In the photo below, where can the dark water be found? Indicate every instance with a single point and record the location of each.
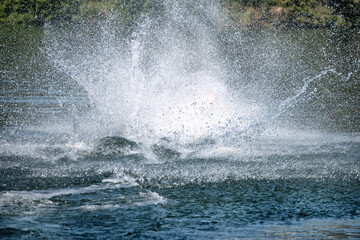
(197, 135)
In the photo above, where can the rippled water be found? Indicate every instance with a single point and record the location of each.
(183, 129)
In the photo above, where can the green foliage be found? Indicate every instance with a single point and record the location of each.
(42, 11)
(295, 13)
(308, 13)
(37, 11)
(131, 10)
(291, 13)
(347, 11)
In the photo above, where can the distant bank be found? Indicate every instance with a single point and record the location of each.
(238, 13)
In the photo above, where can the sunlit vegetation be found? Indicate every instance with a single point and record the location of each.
(298, 13)
(242, 13)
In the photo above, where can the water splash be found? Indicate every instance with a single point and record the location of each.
(167, 79)
(173, 78)
(285, 105)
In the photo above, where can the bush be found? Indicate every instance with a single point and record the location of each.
(291, 13)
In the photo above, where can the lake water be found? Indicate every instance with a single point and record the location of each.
(183, 128)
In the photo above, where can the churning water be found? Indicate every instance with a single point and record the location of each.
(179, 127)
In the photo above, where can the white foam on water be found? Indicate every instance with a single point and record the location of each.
(98, 207)
(151, 198)
(47, 194)
(46, 150)
(19, 201)
(142, 199)
(124, 181)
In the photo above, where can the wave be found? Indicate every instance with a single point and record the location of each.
(119, 193)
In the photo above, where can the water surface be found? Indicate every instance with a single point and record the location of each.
(184, 129)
